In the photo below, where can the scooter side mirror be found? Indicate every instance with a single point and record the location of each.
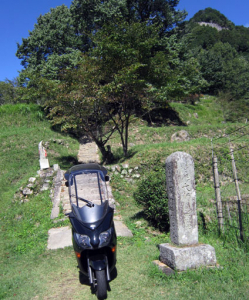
(107, 178)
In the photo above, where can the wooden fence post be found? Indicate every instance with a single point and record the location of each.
(238, 194)
(217, 194)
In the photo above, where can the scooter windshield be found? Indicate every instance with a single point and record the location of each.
(87, 187)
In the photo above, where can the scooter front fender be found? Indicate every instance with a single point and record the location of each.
(98, 265)
(101, 263)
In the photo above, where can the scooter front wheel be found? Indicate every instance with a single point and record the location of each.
(101, 291)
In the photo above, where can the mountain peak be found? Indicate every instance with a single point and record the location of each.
(212, 17)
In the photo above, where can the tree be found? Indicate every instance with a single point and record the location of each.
(38, 89)
(53, 37)
(225, 70)
(8, 91)
(63, 30)
(108, 87)
(90, 16)
(203, 37)
(78, 106)
(130, 71)
(130, 54)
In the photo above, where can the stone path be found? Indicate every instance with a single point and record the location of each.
(88, 152)
(61, 237)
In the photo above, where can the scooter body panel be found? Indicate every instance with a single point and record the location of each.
(93, 232)
(85, 254)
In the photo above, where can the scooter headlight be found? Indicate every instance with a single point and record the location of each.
(105, 237)
(83, 241)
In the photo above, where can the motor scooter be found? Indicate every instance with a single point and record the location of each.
(93, 232)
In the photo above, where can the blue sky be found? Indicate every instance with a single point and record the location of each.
(17, 18)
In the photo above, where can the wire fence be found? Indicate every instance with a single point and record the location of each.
(230, 154)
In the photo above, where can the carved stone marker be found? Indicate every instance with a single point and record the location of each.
(180, 180)
(183, 218)
(44, 164)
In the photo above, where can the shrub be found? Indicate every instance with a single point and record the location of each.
(151, 194)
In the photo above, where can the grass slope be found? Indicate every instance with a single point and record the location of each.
(24, 224)
(32, 272)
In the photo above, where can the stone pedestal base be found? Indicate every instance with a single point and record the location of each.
(44, 164)
(188, 257)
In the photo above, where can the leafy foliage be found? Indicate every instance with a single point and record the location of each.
(100, 63)
(225, 70)
(128, 72)
(61, 34)
(8, 91)
(151, 194)
(53, 36)
(90, 16)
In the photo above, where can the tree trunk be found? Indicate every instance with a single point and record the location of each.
(125, 148)
(100, 145)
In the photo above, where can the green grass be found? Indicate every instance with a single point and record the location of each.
(25, 222)
(53, 274)
(29, 271)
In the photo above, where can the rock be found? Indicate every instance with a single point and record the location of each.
(41, 173)
(32, 179)
(136, 176)
(56, 167)
(45, 187)
(180, 136)
(129, 180)
(138, 223)
(49, 173)
(125, 166)
(27, 191)
(196, 115)
(124, 172)
(113, 168)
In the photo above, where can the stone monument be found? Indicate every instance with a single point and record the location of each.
(184, 252)
(44, 164)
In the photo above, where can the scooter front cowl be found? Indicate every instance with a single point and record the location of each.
(95, 241)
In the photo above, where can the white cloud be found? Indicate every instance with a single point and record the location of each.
(247, 25)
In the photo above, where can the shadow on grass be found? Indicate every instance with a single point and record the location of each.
(67, 162)
(139, 215)
(163, 116)
(119, 155)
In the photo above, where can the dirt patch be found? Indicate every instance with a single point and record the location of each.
(66, 285)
